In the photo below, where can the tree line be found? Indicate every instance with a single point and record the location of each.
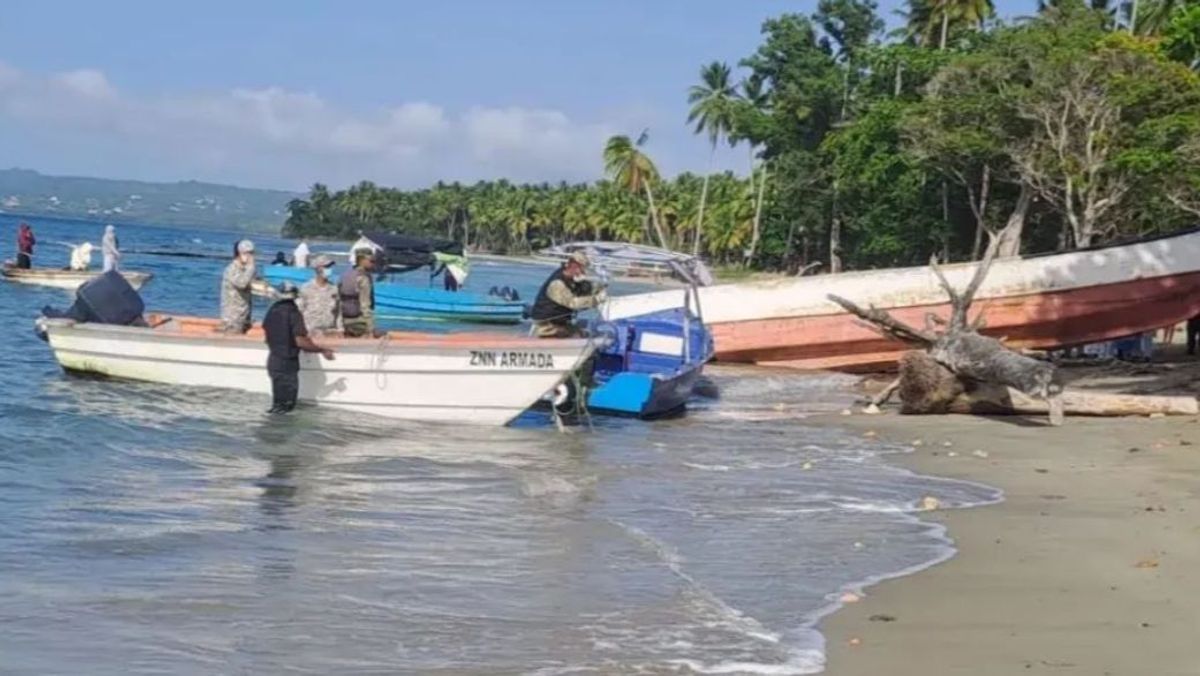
(1076, 125)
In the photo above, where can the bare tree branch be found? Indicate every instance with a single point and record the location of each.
(1182, 205)
(887, 324)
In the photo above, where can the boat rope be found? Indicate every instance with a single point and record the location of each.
(579, 408)
(379, 358)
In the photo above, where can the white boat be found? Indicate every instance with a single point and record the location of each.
(476, 378)
(1038, 302)
(65, 279)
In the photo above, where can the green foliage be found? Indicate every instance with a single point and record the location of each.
(1181, 36)
(887, 152)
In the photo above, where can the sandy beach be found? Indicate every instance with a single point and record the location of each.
(1090, 565)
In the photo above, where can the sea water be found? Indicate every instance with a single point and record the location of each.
(147, 529)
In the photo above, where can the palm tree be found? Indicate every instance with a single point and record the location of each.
(757, 98)
(713, 115)
(1155, 18)
(634, 171)
(924, 17)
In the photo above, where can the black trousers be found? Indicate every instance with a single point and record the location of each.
(1193, 334)
(285, 383)
(23, 261)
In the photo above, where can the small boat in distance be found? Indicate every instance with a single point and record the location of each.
(65, 279)
(1041, 302)
(475, 378)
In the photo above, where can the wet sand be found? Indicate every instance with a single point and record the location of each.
(1091, 565)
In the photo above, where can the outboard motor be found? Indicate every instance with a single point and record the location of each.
(107, 299)
(507, 293)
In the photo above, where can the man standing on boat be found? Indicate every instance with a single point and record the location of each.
(287, 337)
(109, 247)
(563, 295)
(235, 289)
(25, 242)
(356, 291)
(318, 300)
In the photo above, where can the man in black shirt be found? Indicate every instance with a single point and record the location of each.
(286, 337)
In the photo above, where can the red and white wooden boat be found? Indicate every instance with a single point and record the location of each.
(1043, 302)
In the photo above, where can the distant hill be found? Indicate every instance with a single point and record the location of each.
(186, 203)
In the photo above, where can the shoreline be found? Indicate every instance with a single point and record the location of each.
(1084, 567)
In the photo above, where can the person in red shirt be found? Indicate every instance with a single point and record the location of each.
(25, 242)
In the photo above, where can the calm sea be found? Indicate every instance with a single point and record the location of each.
(152, 530)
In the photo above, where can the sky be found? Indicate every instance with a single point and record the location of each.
(273, 94)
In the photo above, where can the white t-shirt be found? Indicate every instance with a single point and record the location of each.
(300, 256)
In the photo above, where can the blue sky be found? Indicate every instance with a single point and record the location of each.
(282, 94)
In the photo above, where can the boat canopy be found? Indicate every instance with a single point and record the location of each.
(401, 253)
(635, 260)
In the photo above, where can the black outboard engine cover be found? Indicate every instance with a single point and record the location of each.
(107, 299)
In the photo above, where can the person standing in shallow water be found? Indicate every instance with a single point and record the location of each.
(235, 289)
(286, 337)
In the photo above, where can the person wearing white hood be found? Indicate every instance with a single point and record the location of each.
(300, 255)
(111, 249)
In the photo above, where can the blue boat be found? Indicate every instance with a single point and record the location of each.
(650, 363)
(399, 301)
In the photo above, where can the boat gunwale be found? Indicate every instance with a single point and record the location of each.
(407, 339)
(12, 272)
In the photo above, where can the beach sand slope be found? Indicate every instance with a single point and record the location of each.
(1090, 566)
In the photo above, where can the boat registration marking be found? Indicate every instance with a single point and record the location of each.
(512, 360)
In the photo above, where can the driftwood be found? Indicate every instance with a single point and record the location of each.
(926, 386)
(956, 346)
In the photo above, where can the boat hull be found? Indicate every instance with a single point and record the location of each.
(645, 395)
(463, 378)
(1044, 302)
(66, 279)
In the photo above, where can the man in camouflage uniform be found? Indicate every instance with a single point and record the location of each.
(562, 296)
(235, 289)
(356, 291)
(318, 300)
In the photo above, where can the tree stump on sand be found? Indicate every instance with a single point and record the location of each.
(926, 386)
(956, 357)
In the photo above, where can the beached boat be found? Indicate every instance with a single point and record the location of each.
(408, 302)
(65, 279)
(650, 363)
(1042, 302)
(465, 378)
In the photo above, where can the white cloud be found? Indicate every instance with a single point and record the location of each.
(523, 139)
(86, 83)
(273, 136)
